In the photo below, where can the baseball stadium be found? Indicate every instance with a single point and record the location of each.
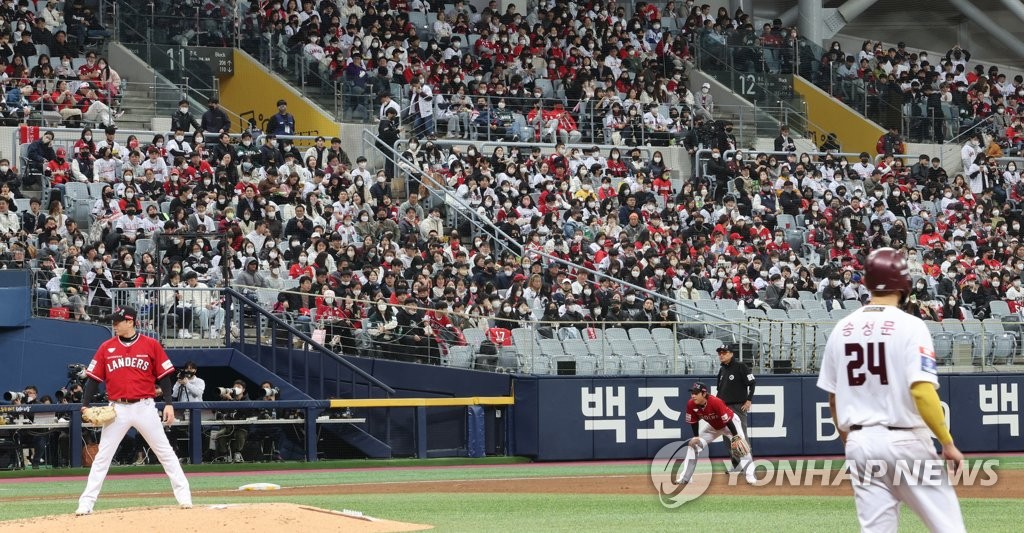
(511, 265)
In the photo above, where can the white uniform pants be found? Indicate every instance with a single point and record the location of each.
(878, 500)
(708, 434)
(146, 420)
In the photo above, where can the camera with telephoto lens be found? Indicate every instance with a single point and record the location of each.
(76, 372)
(13, 396)
(228, 392)
(272, 391)
(186, 374)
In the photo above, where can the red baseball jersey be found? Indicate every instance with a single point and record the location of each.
(714, 412)
(130, 369)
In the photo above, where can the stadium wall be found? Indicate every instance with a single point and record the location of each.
(580, 418)
(39, 353)
(253, 91)
(855, 133)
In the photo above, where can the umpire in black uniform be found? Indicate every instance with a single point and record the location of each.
(735, 387)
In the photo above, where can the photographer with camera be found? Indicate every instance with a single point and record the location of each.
(27, 396)
(272, 438)
(267, 393)
(188, 387)
(229, 440)
(32, 452)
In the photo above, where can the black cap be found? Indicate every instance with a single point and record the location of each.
(698, 387)
(723, 348)
(124, 313)
(281, 102)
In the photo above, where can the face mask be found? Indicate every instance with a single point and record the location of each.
(238, 391)
(636, 273)
(183, 109)
(74, 269)
(995, 283)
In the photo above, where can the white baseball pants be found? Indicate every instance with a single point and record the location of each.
(708, 435)
(146, 420)
(878, 498)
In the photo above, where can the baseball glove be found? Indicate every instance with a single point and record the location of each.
(739, 447)
(99, 415)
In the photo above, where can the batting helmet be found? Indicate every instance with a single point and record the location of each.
(886, 270)
(698, 388)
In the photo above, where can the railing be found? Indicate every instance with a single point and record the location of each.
(485, 226)
(764, 82)
(188, 433)
(546, 335)
(257, 326)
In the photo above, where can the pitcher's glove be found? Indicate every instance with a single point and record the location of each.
(739, 447)
(100, 416)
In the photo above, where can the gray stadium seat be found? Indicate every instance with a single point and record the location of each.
(623, 348)
(711, 345)
(474, 337)
(508, 359)
(952, 325)
(586, 365)
(647, 347)
(613, 334)
(638, 334)
(703, 365)
(631, 365)
(999, 308)
(460, 357)
(656, 365)
(551, 347)
(576, 348)
(691, 348)
(607, 365)
(538, 364)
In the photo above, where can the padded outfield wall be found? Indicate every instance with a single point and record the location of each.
(579, 418)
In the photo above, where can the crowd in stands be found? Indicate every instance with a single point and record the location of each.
(924, 97)
(45, 72)
(259, 212)
(467, 72)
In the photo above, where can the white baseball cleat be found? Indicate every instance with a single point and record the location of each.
(185, 506)
(681, 481)
(82, 512)
(751, 479)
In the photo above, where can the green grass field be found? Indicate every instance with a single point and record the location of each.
(497, 512)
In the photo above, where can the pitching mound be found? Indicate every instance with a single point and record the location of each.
(205, 518)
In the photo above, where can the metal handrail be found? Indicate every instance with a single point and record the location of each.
(786, 112)
(492, 229)
(230, 293)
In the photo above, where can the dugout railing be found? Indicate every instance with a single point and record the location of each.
(308, 416)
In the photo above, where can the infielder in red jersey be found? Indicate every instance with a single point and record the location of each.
(721, 421)
(130, 364)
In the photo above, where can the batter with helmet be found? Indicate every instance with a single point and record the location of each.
(880, 372)
(720, 421)
(130, 363)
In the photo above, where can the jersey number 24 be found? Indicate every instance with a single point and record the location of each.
(872, 355)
